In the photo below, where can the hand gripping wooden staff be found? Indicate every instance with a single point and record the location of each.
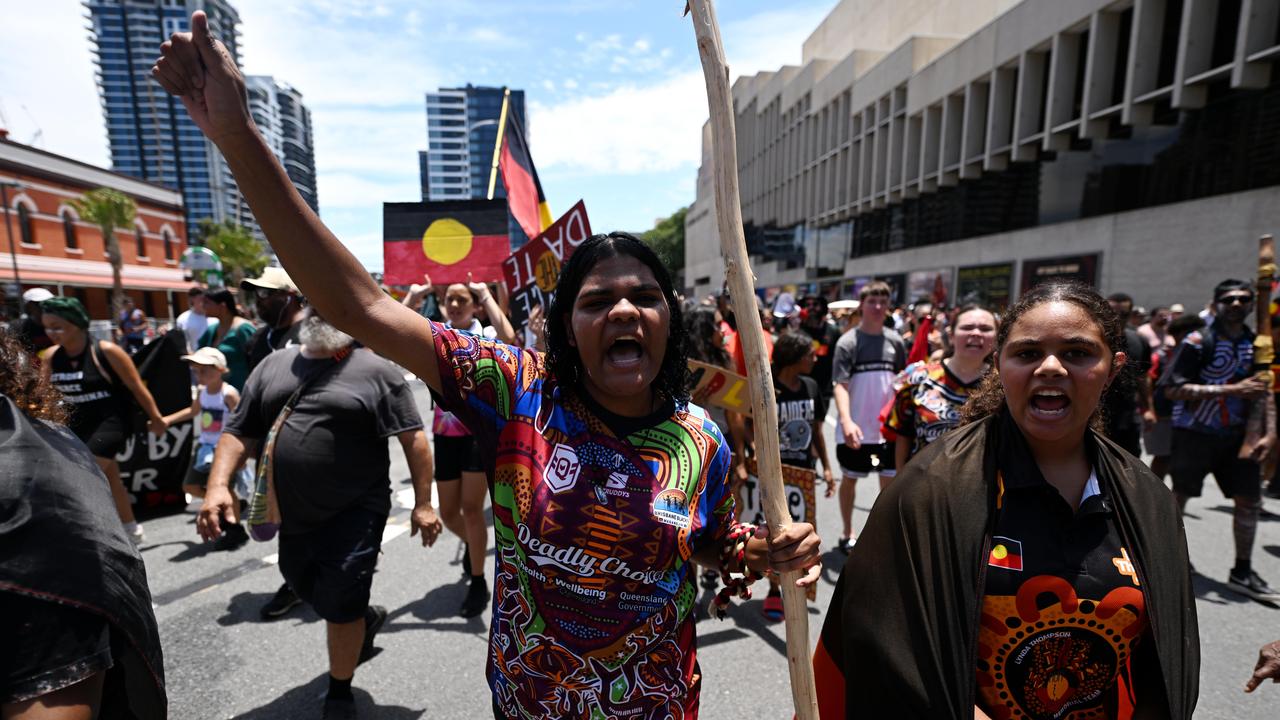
(733, 244)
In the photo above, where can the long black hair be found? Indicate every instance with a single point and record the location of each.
(562, 358)
(700, 328)
(989, 399)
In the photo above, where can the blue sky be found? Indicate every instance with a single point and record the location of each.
(614, 90)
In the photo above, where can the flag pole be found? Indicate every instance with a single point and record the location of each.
(733, 245)
(497, 145)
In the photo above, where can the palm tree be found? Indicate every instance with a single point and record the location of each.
(109, 209)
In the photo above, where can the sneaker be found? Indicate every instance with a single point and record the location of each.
(846, 544)
(374, 618)
(1253, 586)
(339, 709)
(477, 599)
(135, 533)
(772, 609)
(281, 603)
(710, 579)
(234, 537)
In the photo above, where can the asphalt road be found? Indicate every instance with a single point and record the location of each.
(221, 661)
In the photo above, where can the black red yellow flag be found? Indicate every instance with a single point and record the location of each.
(444, 239)
(520, 178)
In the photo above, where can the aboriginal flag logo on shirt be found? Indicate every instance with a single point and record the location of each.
(446, 240)
(1006, 553)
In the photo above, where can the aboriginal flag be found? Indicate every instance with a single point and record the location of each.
(524, 190)
(444, 239)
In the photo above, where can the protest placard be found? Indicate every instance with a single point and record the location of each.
(798, 484)
(153, 468)
(532, 271)
(716, 387)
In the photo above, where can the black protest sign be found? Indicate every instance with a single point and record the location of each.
(152, 468)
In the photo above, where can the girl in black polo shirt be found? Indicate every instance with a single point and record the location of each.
(1022, 566)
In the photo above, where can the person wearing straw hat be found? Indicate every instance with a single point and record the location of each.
(279, 306)
(211, 406)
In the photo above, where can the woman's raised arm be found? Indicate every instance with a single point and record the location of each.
(196, 68)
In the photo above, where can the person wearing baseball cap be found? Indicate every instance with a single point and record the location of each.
(210, 408)
(29, 329)
(279, 306)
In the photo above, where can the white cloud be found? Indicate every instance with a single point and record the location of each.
(656, 126)
(51, 93)
(628, 130)
(569, 84)
(332, 62)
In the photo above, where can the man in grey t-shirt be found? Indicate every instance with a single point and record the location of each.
(867, 359)
(330, 467)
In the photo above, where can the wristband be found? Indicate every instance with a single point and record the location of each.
(733, 559)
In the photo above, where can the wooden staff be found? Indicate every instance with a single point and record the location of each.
(1262, 416)
(733, 245)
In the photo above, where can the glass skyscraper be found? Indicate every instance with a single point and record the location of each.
(150, 133)
(285, 123)
(462, 128)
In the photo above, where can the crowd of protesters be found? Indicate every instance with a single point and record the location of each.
(1015, 515)
(900, 379)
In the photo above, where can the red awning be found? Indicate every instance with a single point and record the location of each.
(40, 277)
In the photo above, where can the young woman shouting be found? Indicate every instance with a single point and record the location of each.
(1023, 566)
(605, 484)
(928, 395)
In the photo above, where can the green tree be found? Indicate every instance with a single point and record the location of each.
(667, 240)
(109, 209)
(241, 254)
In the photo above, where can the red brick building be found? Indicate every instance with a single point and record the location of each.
(42, 234)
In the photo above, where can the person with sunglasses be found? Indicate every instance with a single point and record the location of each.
(279, 306)
(1212, 385)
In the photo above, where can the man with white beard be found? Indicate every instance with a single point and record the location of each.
(332, 484)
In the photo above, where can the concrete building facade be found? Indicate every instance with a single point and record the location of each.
(981, 146)
(45, 243)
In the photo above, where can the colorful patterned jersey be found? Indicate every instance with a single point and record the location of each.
(594, 590)
(1063, 611)
(926, 403)
(1204, 358)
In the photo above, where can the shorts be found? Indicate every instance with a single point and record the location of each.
(60, 646)
(866, 460)
(1198, 454)
(106, 438)
(1158, 440)
(332, 566)
(456, 455)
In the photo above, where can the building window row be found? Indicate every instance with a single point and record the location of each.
(1107, 115)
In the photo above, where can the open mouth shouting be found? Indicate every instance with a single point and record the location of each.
(1049, 403)
(626, 352)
